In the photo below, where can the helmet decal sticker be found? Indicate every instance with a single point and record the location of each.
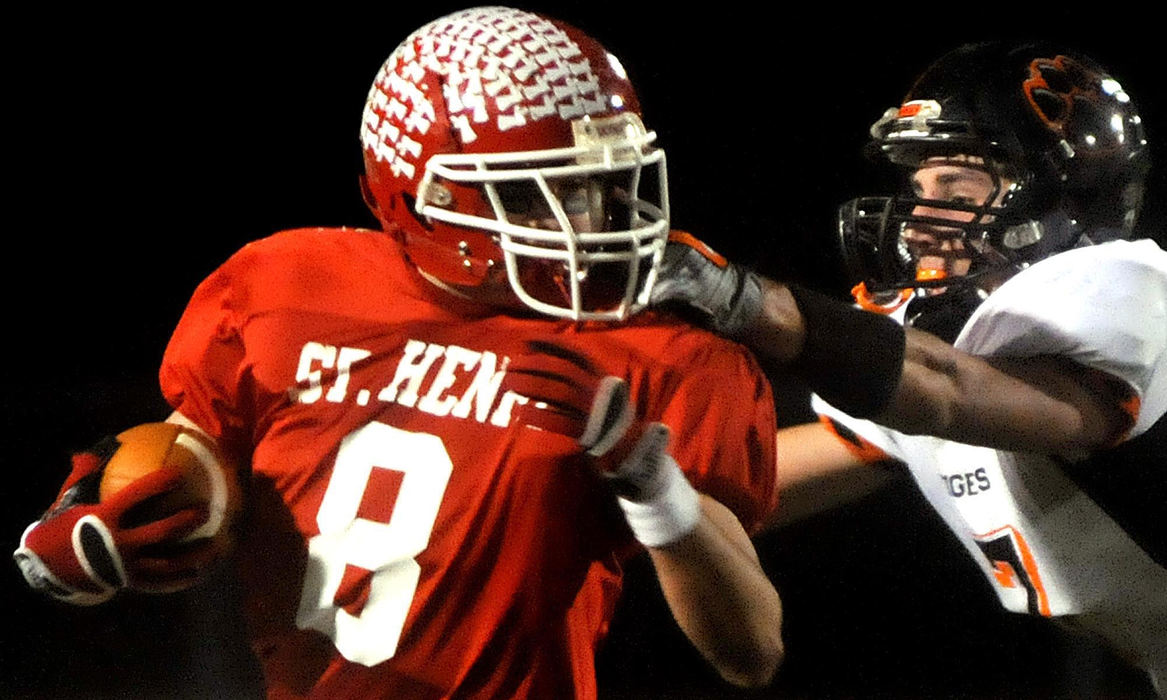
(1058, 87)
(544, 74)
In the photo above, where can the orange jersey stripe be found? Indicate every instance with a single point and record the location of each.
(863, 450)
(1005, 575)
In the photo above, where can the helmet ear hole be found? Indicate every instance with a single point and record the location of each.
(1021, 235)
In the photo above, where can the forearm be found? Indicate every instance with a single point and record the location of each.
(1038, 404)
(926, 386)
(721, 597)
(851, 358)
(818, 471)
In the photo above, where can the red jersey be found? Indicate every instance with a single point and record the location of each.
(403, 539)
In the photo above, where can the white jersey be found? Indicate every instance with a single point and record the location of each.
(1044, 545)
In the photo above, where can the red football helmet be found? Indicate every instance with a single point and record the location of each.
(497, 136)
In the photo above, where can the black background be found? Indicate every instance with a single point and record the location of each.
(143, 150)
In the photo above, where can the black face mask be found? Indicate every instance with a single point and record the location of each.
(943, 315)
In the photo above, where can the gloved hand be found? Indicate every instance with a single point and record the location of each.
(726, 297)
(82, 551)
(567, 394)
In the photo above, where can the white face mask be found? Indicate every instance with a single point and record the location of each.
(582, 229)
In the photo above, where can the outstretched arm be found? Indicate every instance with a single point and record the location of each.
(906, 379)
(1039, 404)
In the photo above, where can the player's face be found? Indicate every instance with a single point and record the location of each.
(940, 251)
(588, 205)
(526, 205)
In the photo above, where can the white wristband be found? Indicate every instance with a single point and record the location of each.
(668, 516)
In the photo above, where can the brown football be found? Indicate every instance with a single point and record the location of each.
(209, 480)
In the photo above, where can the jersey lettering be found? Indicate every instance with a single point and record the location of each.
(376, 516)
(419, 381)
(967, 484)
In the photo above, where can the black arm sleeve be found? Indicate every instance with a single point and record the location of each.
(851, 358)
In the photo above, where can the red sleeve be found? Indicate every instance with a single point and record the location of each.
(721, 413)
(203, 366)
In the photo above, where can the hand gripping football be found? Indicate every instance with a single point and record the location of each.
(207, 481)
(151, 510)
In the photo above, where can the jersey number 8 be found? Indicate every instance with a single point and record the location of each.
(351, 543)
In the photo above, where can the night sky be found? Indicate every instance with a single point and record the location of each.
(147, 150)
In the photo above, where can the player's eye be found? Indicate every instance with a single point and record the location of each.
(576, 201)
(519, 197)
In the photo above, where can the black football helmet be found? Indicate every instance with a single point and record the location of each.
(1060, 137)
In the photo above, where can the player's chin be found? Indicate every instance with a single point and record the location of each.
(601, 286)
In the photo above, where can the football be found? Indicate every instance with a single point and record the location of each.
(208, 479)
